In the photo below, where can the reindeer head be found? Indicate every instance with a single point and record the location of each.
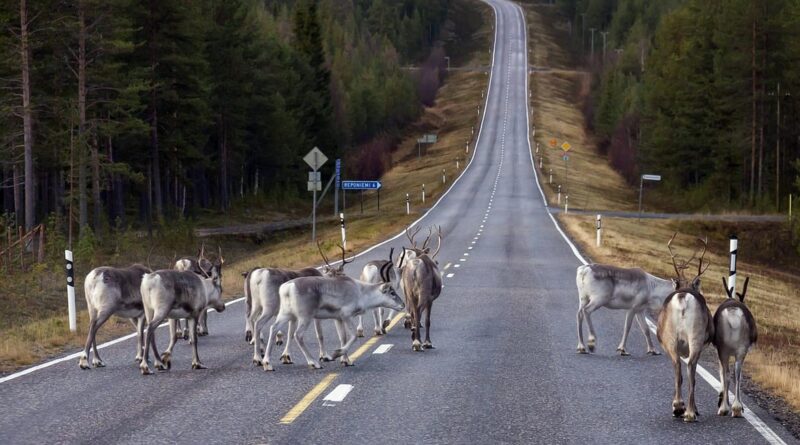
(332, 271)
(680, 281)
(214, 273)
(415, 252)
(729, 291)
(389, 297)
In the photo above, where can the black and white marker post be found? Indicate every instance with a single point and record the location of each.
(73, 324)
(732, 272)
(344, 233)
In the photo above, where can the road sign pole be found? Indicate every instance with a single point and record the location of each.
(338, 185)
(314, 207)
(641, 186)
(362, 201)
(379, 200)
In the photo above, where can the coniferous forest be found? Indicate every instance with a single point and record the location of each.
(131, 112)
(704, 92)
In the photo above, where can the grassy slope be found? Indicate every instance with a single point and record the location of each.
(33, 324)
(765, 254)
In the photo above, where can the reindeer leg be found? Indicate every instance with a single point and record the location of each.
(84, 360)
(102, 317)
(416, 345)
(263, 316)
(737, 408)
(386, 321)
(139, 338)
(376, 317)
(154, 319)
(724, 379)
(428, 344)
(302, 325)
(279, 321)
(248, 313)
(628, 321)
(651, 350)
(343, 351)
(581, 347)
(202, 326)
(691, 410)
(323, 357)
(360, 328)
(587, 313)
(285, 358)
(196, 364)
(678, 407)
(166, 356)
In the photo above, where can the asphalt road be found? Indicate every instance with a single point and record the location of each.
(504, 369)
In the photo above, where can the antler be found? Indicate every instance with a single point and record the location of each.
(220, 257)
(402, 258)
(439, 246)
(744, 291)
(324, 258)
(700, 269)
(411, 236)
(728, 290)
(678, 269)
(427, 240)
(344, 259)
(202, 253)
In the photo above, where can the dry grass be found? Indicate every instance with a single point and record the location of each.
(587, 178)
(31, 331)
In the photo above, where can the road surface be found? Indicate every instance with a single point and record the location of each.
(504, 369)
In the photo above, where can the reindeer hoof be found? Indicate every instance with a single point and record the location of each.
(83, 363)
(623, 352)
(198, 365)
(378, 332)
(385, 325)
(591, 347)
(97, 363)
(347, 363)
(325, 358)
(737, 411)
(581, 350)
(407, 323)
(286, 359)
(360, 332)
(427, 345)
(279, 342)
(314, 366)
(416, 346)
(678, 411)
(248, 336)
(256, 362)
(145, 370)
(268, 367)
(723, 412)
(653, 353)
(690, 417)
(185, 334)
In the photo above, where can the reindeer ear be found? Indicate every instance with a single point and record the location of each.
(696, 284)
(675, 283)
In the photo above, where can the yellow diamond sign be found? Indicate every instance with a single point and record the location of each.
(565, 146)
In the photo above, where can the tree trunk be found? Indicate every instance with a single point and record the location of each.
(83, 199)
(754, 112)
(97, 201)
(223, 166)
(155, 177)
(17, 196)
(27, 118)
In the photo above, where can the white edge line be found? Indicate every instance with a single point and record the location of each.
(751, 417)
(441, 198)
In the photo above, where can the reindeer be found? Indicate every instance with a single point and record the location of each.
(371, 274)
(178, 294)
(340, 298)
(409, 253)
(422, 284)
(201, 266)
(735, 332)
(264, 285)
(685, 326)
(113, 291)
(601, 285)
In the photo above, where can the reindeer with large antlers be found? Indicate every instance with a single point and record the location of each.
(422, 284)
(685, 326)
(735, 332)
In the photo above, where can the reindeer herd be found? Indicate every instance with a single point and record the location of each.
(412, 281)
(294, 298)
(685, 323)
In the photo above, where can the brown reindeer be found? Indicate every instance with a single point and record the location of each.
(685, 326)
(735, 332)
(422, 284)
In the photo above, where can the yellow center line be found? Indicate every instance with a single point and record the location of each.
(312, 395)
(308, 399)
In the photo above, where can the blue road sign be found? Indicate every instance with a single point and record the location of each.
(566, 157)
(361, 185)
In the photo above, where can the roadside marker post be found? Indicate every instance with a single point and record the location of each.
(73, 323)
(559, 195)
(444, 177)
(423, 193)
(344, 233)
(734, 249)
(551, 175)
(566, 204)
(540, 162)
(408, 204)
(599, 228)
